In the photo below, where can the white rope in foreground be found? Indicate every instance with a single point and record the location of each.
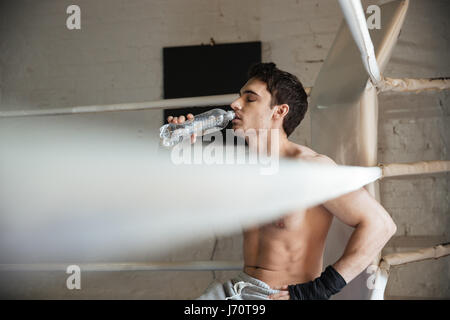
(130, 266)
(413, 85)
(68, 197)
(413, 168)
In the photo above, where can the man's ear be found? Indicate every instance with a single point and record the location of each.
(281, 111)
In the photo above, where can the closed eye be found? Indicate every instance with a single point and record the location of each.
(249, 93)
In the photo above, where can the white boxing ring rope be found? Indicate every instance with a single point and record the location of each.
(388, 170)
(216, 265)
(413, 85)
(197, 265)
(385, 85)
(395, 259)
(422, 167)
(157, 104)
(206, 101)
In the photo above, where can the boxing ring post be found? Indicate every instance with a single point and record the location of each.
(344, 115)
(355, 107)
(356, 22)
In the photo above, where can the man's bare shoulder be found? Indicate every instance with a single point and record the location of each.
(307, 154)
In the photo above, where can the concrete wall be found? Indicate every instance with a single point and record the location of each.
(117, 57)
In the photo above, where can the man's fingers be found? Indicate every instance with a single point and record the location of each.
(283, 295)
(285, 287)
(180, 119)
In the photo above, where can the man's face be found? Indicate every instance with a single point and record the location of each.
(252, 108)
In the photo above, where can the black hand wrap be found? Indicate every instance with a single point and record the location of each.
(330, 282)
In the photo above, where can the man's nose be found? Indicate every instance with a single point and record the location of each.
(235, 105)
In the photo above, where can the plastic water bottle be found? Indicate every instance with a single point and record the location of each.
(202, 124)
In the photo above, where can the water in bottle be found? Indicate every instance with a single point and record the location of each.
(202, 124)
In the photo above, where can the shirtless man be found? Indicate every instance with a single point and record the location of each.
(283, 259)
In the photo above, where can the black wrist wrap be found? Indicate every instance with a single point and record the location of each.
(322, 288)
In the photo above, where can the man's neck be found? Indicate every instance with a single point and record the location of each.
(274, 141)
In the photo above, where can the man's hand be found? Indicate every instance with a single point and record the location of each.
(181, 119)
(329, 283)
(282, 295)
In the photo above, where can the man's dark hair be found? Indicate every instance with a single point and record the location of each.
(284, 88)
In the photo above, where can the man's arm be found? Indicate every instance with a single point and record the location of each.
(373, 228)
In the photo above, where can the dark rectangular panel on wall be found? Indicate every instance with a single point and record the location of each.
(204, 70)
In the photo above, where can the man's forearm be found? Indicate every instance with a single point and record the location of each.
(363, 246)
(366, 241)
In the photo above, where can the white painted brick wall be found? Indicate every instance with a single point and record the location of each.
(415, 127)
(117, 57)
